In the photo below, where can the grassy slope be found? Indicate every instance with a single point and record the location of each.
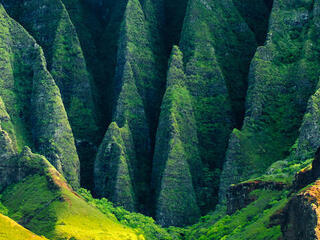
(9, 229)
(45, 204)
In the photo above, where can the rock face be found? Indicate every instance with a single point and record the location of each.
(177, 163)
(308, 140)
(216, 43)
(302, 214)
(283, 75)
(137, 90)
(32, 101)
(113, 178)
(49, 23)
(238, 196)
(7, 166)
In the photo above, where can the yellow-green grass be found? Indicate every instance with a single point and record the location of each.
(46, 205)
(10, 230)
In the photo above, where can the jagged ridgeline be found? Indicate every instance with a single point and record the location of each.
(167, 108)
(140, 122)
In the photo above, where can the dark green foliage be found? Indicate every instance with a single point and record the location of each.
(250, 223)
(50, 25)
(143, 224)
(137, 86)
(283, 75)
(219, 26)
(217, 55)
(177, 163)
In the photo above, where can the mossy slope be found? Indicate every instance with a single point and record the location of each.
(216, 59)
(113, 178)
(284, 73)
(137, 88)
(177, 163)
(33, 101)
(49, 23)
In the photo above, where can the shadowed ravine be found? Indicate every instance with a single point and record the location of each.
(196, 113)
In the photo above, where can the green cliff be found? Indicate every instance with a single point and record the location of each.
(202, 115)
(177, 163)
(283, 74)
(33, 102)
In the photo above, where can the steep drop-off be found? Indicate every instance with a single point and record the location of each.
(283, 74)
(34, 112)
(172, 108)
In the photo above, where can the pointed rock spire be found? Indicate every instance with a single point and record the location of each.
(176, 163)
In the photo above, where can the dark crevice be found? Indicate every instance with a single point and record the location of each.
(256, 14)
(170, 32)
(101, 19)
(174, 16)
(97, 24)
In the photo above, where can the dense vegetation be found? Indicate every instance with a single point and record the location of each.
(187, 119)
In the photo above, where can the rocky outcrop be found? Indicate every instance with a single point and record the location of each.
(231, 170)
(7, 157)
(302, 214)
(176, 165)
(309, 132)
(33, 100)
(309, 174)
(239, 195)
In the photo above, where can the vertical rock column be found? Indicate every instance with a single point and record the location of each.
(176, 164)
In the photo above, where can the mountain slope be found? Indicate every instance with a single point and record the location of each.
(33, 100)
(9, 229)
(44, 203)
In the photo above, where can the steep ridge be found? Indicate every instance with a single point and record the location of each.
(233, 41)
(113, 171)
(211, 78)
(177, 164)
(284, 73)
(153, 137)
(32, 108)
(49, 23)
(138, 89)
